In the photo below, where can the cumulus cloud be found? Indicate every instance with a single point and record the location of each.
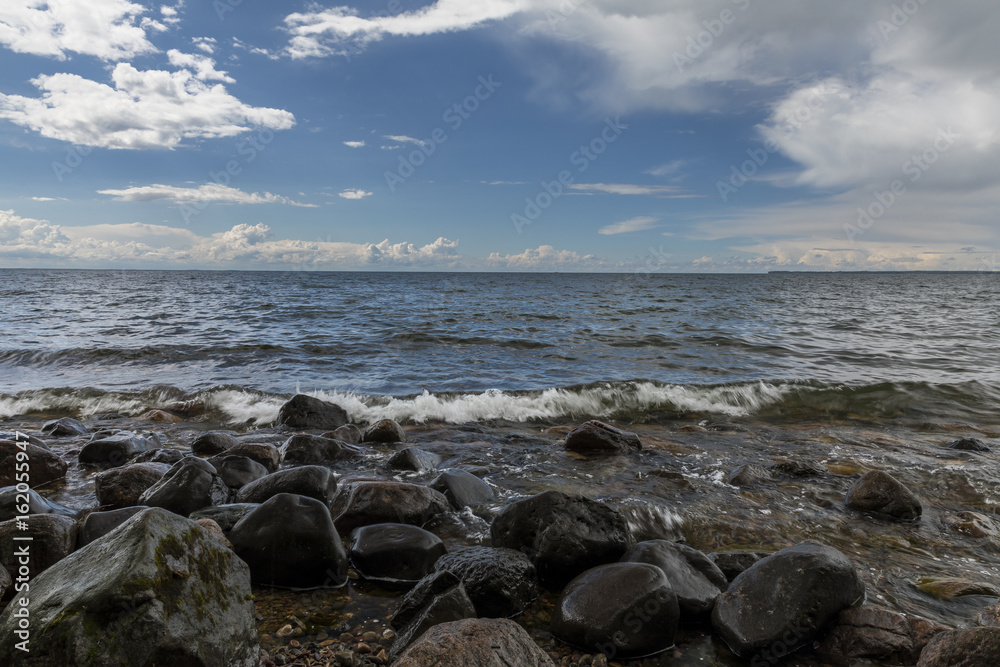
(202, 67)
(206, 44)
(356, 193)
(206, 193)
(638, 224)
(546, 257)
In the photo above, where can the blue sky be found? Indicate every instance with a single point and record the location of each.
(570, 135)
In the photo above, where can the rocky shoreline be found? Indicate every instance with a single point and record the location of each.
(318, 542)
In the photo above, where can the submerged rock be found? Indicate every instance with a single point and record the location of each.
(416, 460)
(623, 610)
(122, 487)
(695, 579)
(438, 598)
(973, 524)
(478, 642)
(189, 485)
(385, 431)
(976, 647)
(348, 433)
(462, 488)
(500, 582)
(305, 448)
(750, 474)
(311, 481)
(949, 588)
(366, 503)
(53, 537)
(158, 590)
(880, 493)
(969, 445)
(41, 467)
(395, 554)
(67, 426)
(596, 436)
(303, 411)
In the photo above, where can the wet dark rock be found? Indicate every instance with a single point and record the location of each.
(869, 633)
(416, 460)
(990, 617)
(212, 443)
(226, 516)
(500, 582)
(310, 481)
(798, 468)
(157, 591)
(303, 411)
(290, 541)
(623, 610)
(596, 436)
(750, 474)
(53, 537)
(67, 426)
(395, 554)
(160, 455)
(949, 588)
(880, 493)
(348, 433)
(973, 524)
(263, 453)
(306, 448)
(695, 579)
(11, 506)
(5, 581)
(43, 465)
(438, 598)
(122, 487)
(99, 524)
(462, 488)
(365, 503)
(976, 647)
(970, 445)
(20, 437)
(784, 601)
(563, 535)
(385, 431)
(734, 563)
(237, 471)
(477, 642)
(189, 485)
(115, 450)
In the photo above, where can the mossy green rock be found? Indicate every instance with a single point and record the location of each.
(158, 590)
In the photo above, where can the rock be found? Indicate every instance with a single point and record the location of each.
(43, 466)
(5, 581)
(990, 617)
(976, 647)
(367, 503)
(158, 590)
(798, 468)
(114, 450)
(160, 455)
(212, 443)
(348, 433)
(750, 474)
(290, 542)
(479, 642)
(12, 504)
(969, 445)
(868, 633)
(122, 487)
(53, 537)
(306, 448)
(695, 579)
(973, 524)
(462, 488)
(310, 481)
(264, 454)
(879, 493)
(215, 530)
(562, 534)
(411, 458)
(783, 601)
(595, 436)
(226, 516)
(67, 426)
(160, 417)
(945, 588)
(385, 431)
(237, 471)
(623, 610)
(395, 554)
(189, 485)
(500, 582)
(307, 412)
(438, 598)
(734, 563)
(17, 436)
(99, 524)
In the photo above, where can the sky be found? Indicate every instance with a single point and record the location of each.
(501, 135)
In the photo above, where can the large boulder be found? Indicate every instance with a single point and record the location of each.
(413, 459)
(695, 579)
(976, 647)
(67, 426)
(52, 538)
(303, 411)
(438, 598)
(122, 487)
(596, 436)
(189, 485)
(562, 534)
(880, 493)
(462, 488)
(395, 554)
(211, 443)
(385, 431)
(290, 542)
(115, 450)
(263, 453)
(478, 642)
(38, 465)
(873, 634)
(305, 448)
(365, 503)
(156, 591)
(12, 504)
(500, 582)
(311, 481)
(784, 601)
(99, 524)
(237, 471)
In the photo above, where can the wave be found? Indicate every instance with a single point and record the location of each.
(634, 401)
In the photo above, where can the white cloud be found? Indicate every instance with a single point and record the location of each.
(143, 109)
(207, 193)
(48, 199)
(105, 29)
(667, 168)
(203, 67)
(400, 140)
(356, 193)
(638, 224)
(354, 144)
(545, 257)
(630, 189)
(206, 44)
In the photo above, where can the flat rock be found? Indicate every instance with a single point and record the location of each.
(122, 487)
(114, 450)
(303, 411)
(977, 647)
(44, 466)
(53, 537)
(694, 578)
(396, 555)
(312, 449)
(385, 431)
(365, 503)
(949, 588)
(481, 642)
(881, 494)
(413, 459)
(500, 582)
(596, 436)
(462, 488)
(311, 481)
(189, 485)
(212, 443)
(67, 426)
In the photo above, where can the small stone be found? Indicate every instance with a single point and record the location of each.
(383, 656)
(294, 643)
(363, 649)
(285, 631)
(369, 637)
